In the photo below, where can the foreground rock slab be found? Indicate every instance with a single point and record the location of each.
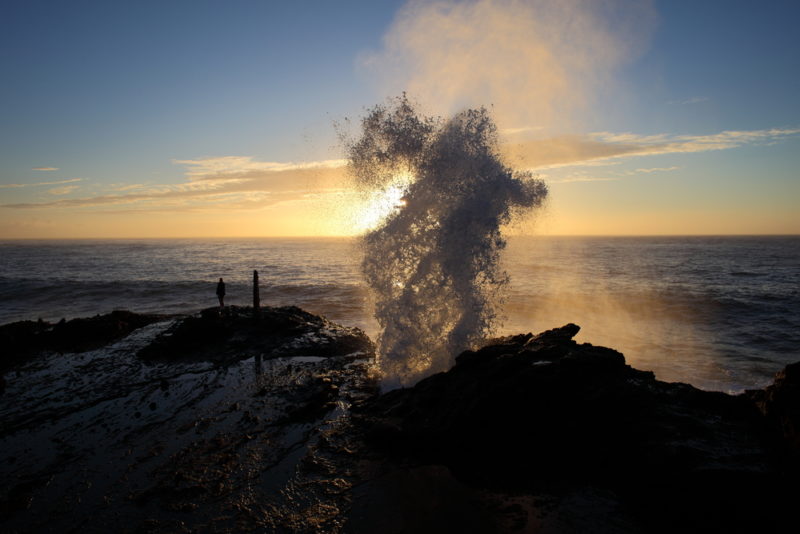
(209, 423)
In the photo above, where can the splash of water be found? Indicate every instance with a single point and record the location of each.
(433, 263)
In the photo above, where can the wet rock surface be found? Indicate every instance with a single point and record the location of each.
(23, 339)
(222, 422)
(235, 332)
(555, 436)
(106, 440)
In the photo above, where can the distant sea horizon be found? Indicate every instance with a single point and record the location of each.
(356, 236)
(721, 312)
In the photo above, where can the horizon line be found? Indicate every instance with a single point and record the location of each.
(355, 236)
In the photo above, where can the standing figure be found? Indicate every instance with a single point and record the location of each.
(221, 293)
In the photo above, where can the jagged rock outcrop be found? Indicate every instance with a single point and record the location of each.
(780, 404)
(544, 415)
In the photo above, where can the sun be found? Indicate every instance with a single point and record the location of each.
(379, 204)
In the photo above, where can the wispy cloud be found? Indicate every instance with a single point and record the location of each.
(521, 130)
(65, 190)
(688, 101)
(657, 169)
(47, 169)
(225, 183)
(666, 144)
(229, 167)
(580, 178)
(582, 150)
(59, 182)
(125, 187)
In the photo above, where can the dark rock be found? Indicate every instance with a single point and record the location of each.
(545, 414)
(780, 403)
(20, 340)
(88, 333)
(556, 336)
(19, 497)
(225, 452)
(529, 433)
(235, 333)
(24, 339)
(311, 400)
(425, 499)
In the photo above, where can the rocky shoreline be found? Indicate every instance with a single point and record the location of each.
(234, 422)
(565, 437)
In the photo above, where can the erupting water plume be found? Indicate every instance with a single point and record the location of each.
(433, 262)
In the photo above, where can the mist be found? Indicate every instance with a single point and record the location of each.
(539, 65)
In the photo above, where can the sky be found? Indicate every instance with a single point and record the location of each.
(208, 118)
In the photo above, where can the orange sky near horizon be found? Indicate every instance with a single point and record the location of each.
(567, 212)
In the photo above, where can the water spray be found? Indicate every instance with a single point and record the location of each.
(433, 262)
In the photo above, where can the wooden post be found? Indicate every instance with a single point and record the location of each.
(256, 298)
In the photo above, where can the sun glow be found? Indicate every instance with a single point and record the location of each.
(380, 204)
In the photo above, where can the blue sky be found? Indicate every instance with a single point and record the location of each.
(738, 60)
(216, 118)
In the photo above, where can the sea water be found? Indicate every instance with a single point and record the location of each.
(721, 313)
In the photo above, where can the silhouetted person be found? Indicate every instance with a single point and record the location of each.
(221, 293)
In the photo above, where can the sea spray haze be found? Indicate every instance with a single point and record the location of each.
(546, 65)
(433, 262)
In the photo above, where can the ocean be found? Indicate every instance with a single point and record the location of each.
(720, 313)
